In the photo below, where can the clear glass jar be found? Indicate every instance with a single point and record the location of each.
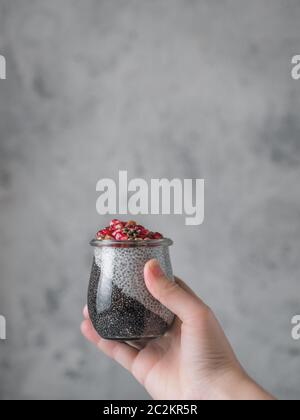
(120, 305)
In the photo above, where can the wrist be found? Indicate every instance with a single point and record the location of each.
(248, 389)
(237, 385)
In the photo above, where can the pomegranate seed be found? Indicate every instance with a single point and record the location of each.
(119, 226)
(123, 231)
(157, 235)
(114, 222)
(118, 236)
(144, 233)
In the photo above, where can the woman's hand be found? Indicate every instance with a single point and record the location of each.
(193, 360)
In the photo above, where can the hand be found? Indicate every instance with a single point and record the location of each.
(193, 360)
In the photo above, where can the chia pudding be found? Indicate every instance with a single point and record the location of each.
(120, 305)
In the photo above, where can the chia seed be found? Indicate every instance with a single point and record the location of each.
(120, 305)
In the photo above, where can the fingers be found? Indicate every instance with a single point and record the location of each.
(120, 352)
(86, 312)
(89, 332)
(176, 296)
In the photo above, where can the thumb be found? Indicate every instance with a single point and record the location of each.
(181, 301)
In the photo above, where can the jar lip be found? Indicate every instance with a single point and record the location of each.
(131, 244)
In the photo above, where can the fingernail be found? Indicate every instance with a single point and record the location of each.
(156, 268)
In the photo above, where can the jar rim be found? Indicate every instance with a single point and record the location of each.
(131, 244)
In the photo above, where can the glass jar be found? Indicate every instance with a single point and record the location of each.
(120, 305)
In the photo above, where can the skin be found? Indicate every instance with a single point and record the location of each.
(193, 360)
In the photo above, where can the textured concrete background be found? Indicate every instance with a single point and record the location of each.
(161, 88)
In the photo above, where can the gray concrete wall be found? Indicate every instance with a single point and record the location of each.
(162, 88)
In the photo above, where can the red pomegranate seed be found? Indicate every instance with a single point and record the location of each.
(119, 226)
(114, 222)
(144, 232)
(157, 235)
(123, 231)
(118, 236)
